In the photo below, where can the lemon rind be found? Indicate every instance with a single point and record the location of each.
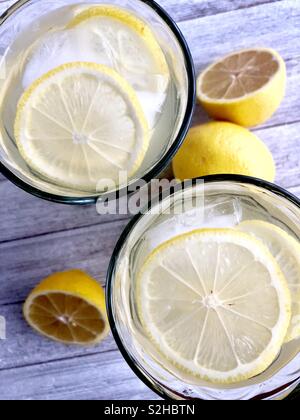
(267, 360)
(102, 69)
(61, 287)
(294, 332)
(131, 21)
(204, 98)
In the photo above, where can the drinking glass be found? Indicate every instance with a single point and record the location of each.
(211, 202)
(24, 23)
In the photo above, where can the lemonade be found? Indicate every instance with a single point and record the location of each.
(90, 91)
(210, 295)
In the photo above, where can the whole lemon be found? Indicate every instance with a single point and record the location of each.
(223, 148)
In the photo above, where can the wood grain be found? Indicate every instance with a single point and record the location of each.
(25, 262)
(181, 10)
(102, 376)
(23, 215)
(35, 348)
(38, 238)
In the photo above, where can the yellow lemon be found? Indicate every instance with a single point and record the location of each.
(223, 148)
(286, 251)
(215, 303)
(68, 307)
(91, 112)
(245, 87)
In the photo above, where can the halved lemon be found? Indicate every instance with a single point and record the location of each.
(68, 307)
(286, 250)
(81, 123)
(215, 303)
(245, 87)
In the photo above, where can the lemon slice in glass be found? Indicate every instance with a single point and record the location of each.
(110, 36)
(215, 303)
(128, 42)
(286, 250)
(68, 307)
(79, 124)
(245, 87)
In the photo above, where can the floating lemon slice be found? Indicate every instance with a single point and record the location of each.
(79, 124)
(68, 307)
(129, 37)
(286, 250)
(126, 43)
(215, 303)
(245, 87)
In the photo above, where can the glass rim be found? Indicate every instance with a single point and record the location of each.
(162, 163)
(275, 189)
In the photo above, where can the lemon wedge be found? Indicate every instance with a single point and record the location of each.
(215, 303)
(286, 250)
(245, 87)
(79, 124)
(68, 307)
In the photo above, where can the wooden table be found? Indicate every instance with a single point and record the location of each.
(38, 238)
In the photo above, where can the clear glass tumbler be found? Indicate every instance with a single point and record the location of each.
(25, 22)
(217, 202)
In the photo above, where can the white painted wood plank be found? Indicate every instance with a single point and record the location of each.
(104, 376)
(284, 142)
(25, 262)
(23, 346)
(181, 10)
(295, 191)
(23, 215)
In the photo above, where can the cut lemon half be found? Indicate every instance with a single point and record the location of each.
(215, 303)
(79, 124)
(68, 307)
(245, 87)
(286, 250)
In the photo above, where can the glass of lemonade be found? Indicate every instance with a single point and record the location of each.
(94, 95)
(192, 295)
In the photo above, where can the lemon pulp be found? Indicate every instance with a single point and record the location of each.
(81, 123)
(286, 250)
(68, 307)
(245, 87)
(215, 304)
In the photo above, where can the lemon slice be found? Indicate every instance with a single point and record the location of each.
(110, 36)
(245, 87)
(286, 251)
(215, 303)
(79, 124)
(130, 39)
(68, 307)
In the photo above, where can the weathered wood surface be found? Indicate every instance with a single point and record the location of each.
(37, 238)
(98, 376)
